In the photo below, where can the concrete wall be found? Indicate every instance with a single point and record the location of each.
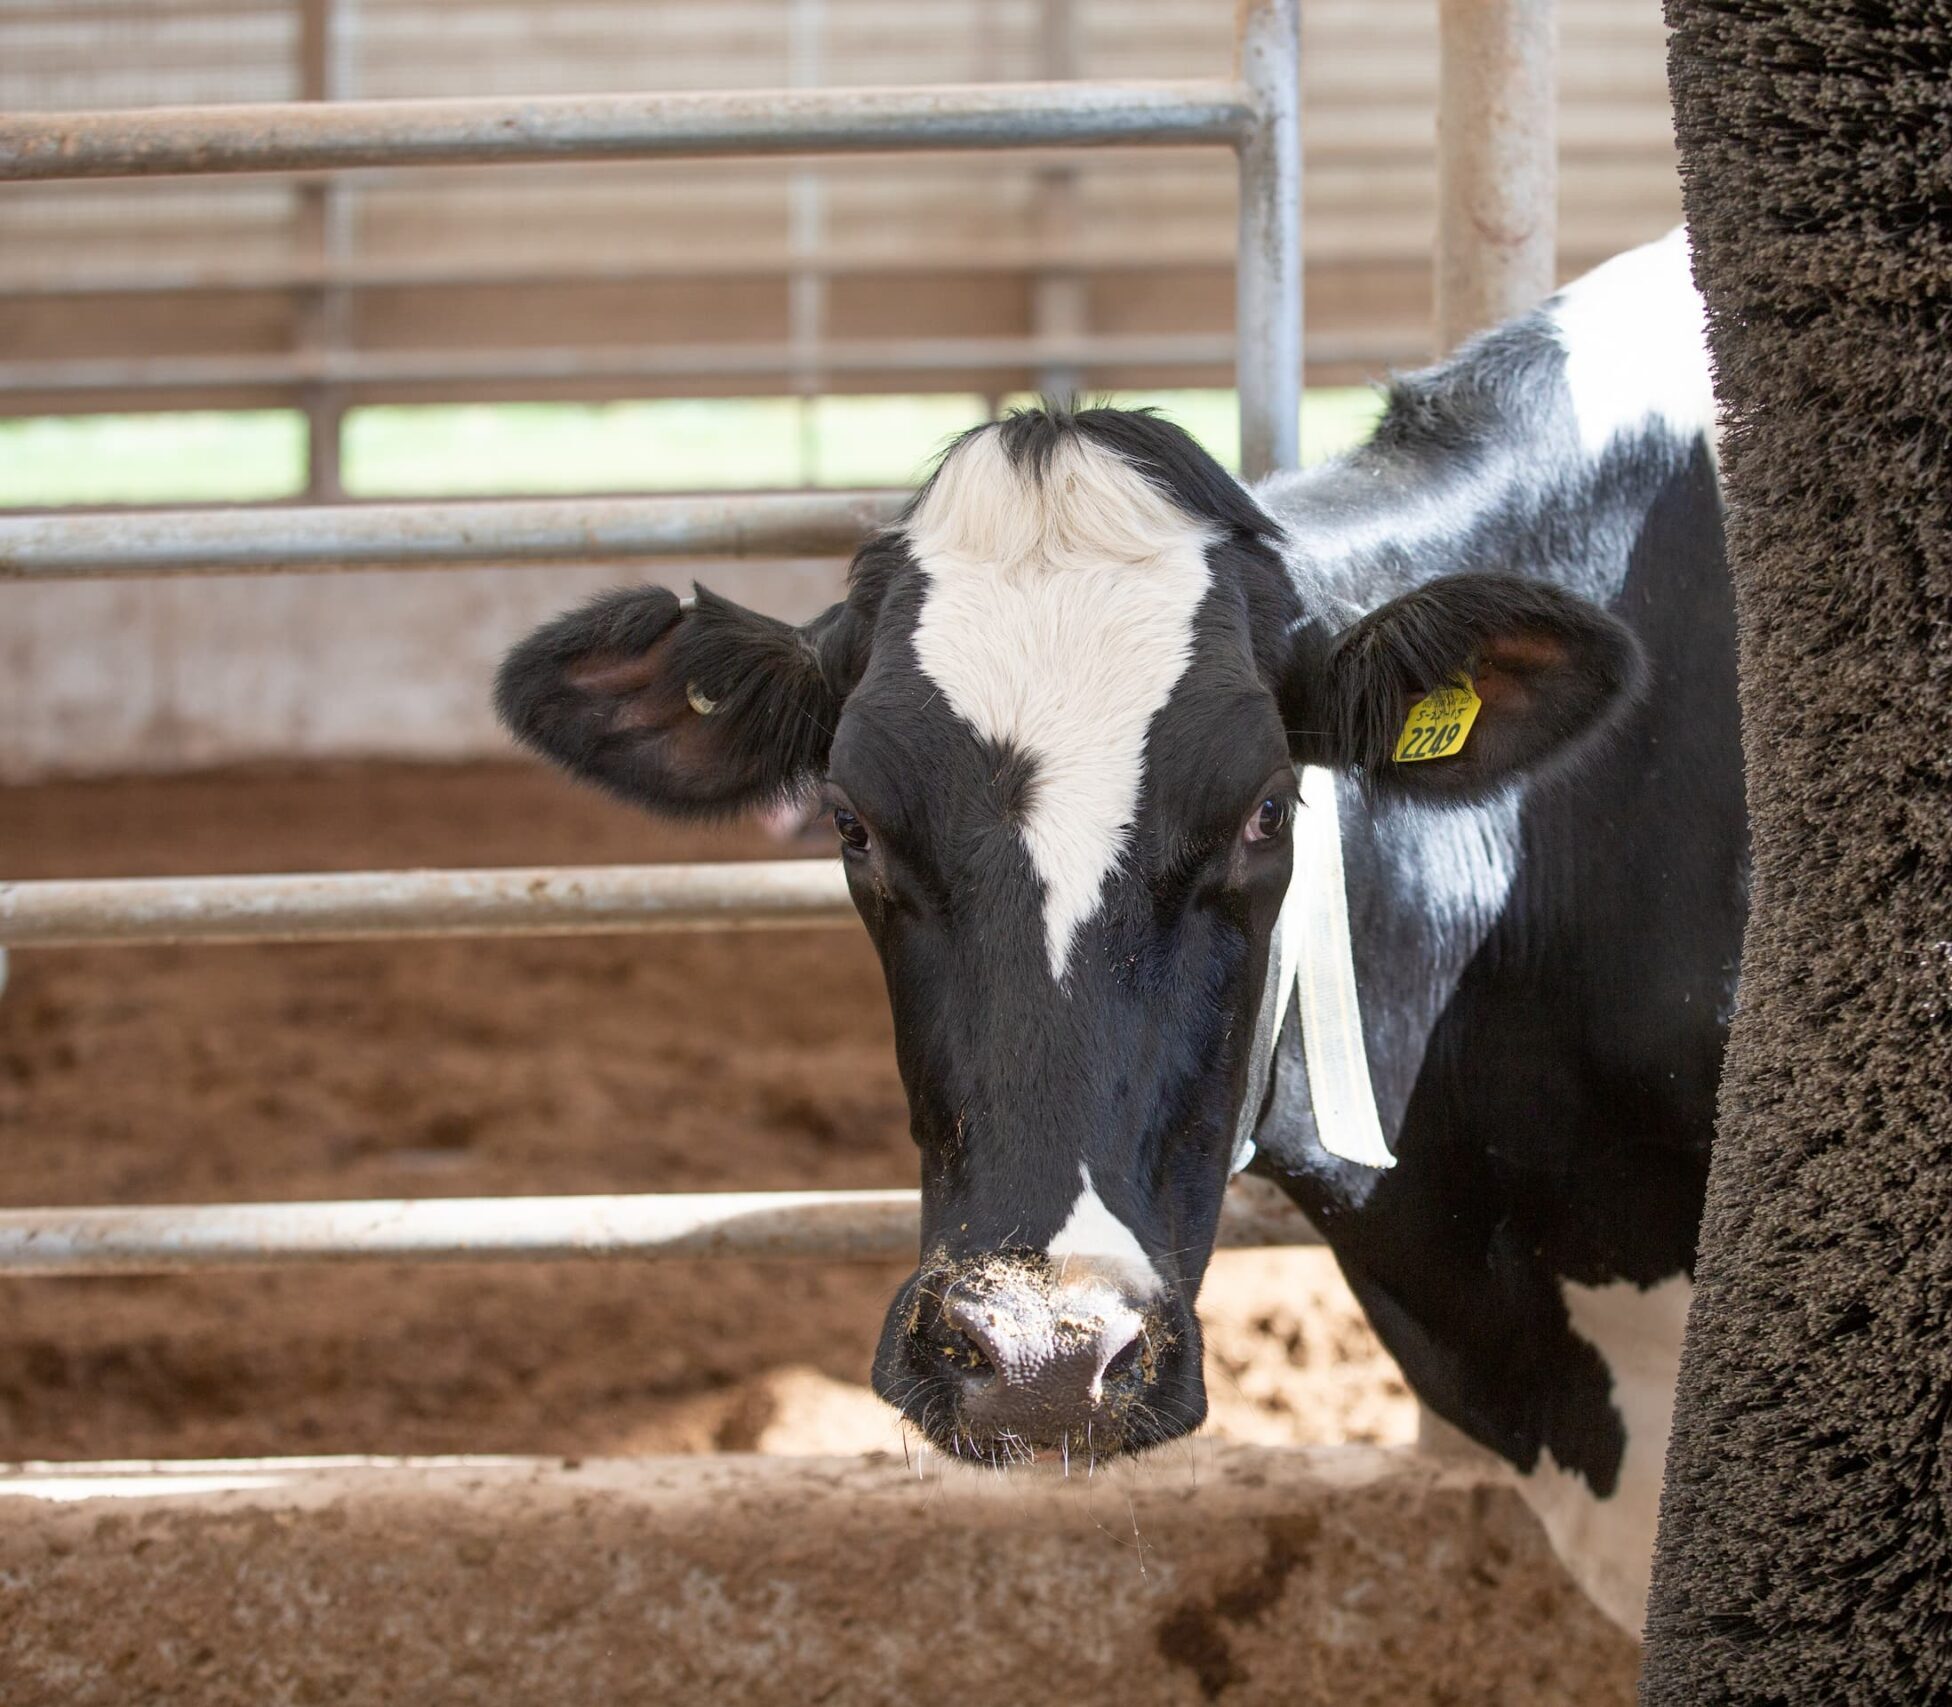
(1347, 1576)
(144, 675)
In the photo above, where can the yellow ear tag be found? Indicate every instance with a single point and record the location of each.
(1438, 723)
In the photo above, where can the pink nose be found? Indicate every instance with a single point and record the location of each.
(1035, 1361)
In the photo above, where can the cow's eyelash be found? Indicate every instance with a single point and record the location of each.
(1186, 856)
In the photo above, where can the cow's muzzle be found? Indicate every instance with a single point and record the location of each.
(1004, 1358)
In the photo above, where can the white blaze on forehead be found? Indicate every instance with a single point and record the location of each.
(1058, 617)
(1094, 1239)
(1636, 343)
(1608, 1544)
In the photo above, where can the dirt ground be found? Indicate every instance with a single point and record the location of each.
(680, 1063)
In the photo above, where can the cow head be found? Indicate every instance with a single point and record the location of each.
(1058, 719)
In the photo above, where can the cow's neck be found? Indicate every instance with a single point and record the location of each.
(1539, 450)
(1565, 448)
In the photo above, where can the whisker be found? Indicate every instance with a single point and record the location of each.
(1138, 1540)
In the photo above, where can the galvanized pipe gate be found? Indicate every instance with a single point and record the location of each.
(1256, 114)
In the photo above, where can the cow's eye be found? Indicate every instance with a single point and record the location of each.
(852, 832)
(1270, 820)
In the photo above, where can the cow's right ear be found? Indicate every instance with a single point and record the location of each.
(695, 709)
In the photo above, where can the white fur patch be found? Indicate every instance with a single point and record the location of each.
(1608, 1544)
(1094, 1239)
(1636, 343)
(1059, 616)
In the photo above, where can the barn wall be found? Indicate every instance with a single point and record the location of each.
(708, 252)
(467, 264)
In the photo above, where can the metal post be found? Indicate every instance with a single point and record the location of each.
(1267, 267)
(318, 240)
(1057, 300)
(1497, 162)
(806, 304)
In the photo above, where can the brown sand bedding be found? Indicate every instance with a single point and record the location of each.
(718, 1061)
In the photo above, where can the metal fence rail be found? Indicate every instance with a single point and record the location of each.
(442, 536)
(1256, 115)
(844, 1226)
(371, 905)
(331, 136)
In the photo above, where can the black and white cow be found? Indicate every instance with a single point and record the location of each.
(1110, 743)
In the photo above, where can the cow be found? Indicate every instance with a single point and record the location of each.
(1172, 868)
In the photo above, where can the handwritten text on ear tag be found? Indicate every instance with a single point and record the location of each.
(1439, 722)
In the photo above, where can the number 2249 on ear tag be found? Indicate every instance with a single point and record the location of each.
(1438, 723)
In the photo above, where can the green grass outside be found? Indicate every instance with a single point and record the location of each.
(202, 457)
(440, 450)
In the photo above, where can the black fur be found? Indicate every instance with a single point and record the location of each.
(1559, 1117)
(1136, 1064)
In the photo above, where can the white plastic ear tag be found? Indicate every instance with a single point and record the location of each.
(1312, 958)
(1439, 723)
(1346, 1121)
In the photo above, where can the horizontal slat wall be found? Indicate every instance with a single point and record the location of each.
(1164, 221)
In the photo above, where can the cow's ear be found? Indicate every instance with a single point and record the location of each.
(696, 709)
(1550, 672)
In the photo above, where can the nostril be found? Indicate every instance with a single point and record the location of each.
(966, 1340)
(966, 1357)
(1037, 1359)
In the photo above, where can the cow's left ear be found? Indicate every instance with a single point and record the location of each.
(1550, 672)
